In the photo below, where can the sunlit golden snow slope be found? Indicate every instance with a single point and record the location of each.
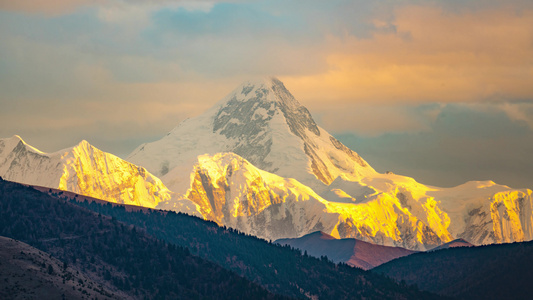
(386, 209)
(82, 169)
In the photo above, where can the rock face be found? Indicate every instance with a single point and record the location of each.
(82, 169)
(407, 214)
(385, 209)
(483, 212)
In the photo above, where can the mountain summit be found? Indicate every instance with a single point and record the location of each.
(262, 122)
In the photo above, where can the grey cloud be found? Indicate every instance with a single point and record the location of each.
(485, 122)
(465, 143)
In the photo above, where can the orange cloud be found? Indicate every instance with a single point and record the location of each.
(434, 56)
(371, 120)
(51, 7)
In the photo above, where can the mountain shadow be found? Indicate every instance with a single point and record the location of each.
(354, 252)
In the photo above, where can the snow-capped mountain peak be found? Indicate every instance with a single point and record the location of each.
(262, 122)
(9, 144)
(256, 102)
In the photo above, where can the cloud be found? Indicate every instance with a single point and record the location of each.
(465, 142)
(478, 121)
(367, 119)
(519, 111)
(373, 51)
(434, 56)
(119, 73)
(49, 7)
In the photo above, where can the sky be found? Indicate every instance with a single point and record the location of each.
(439, 90)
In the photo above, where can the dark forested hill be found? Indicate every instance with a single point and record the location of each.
(28, 273)
(112, 253)
(486, 272)
(280, 269)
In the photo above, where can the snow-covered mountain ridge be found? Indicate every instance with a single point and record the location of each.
(82, 169)
(389, 209)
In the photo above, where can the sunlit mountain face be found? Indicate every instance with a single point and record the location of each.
(258, 162)
(82, 169)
